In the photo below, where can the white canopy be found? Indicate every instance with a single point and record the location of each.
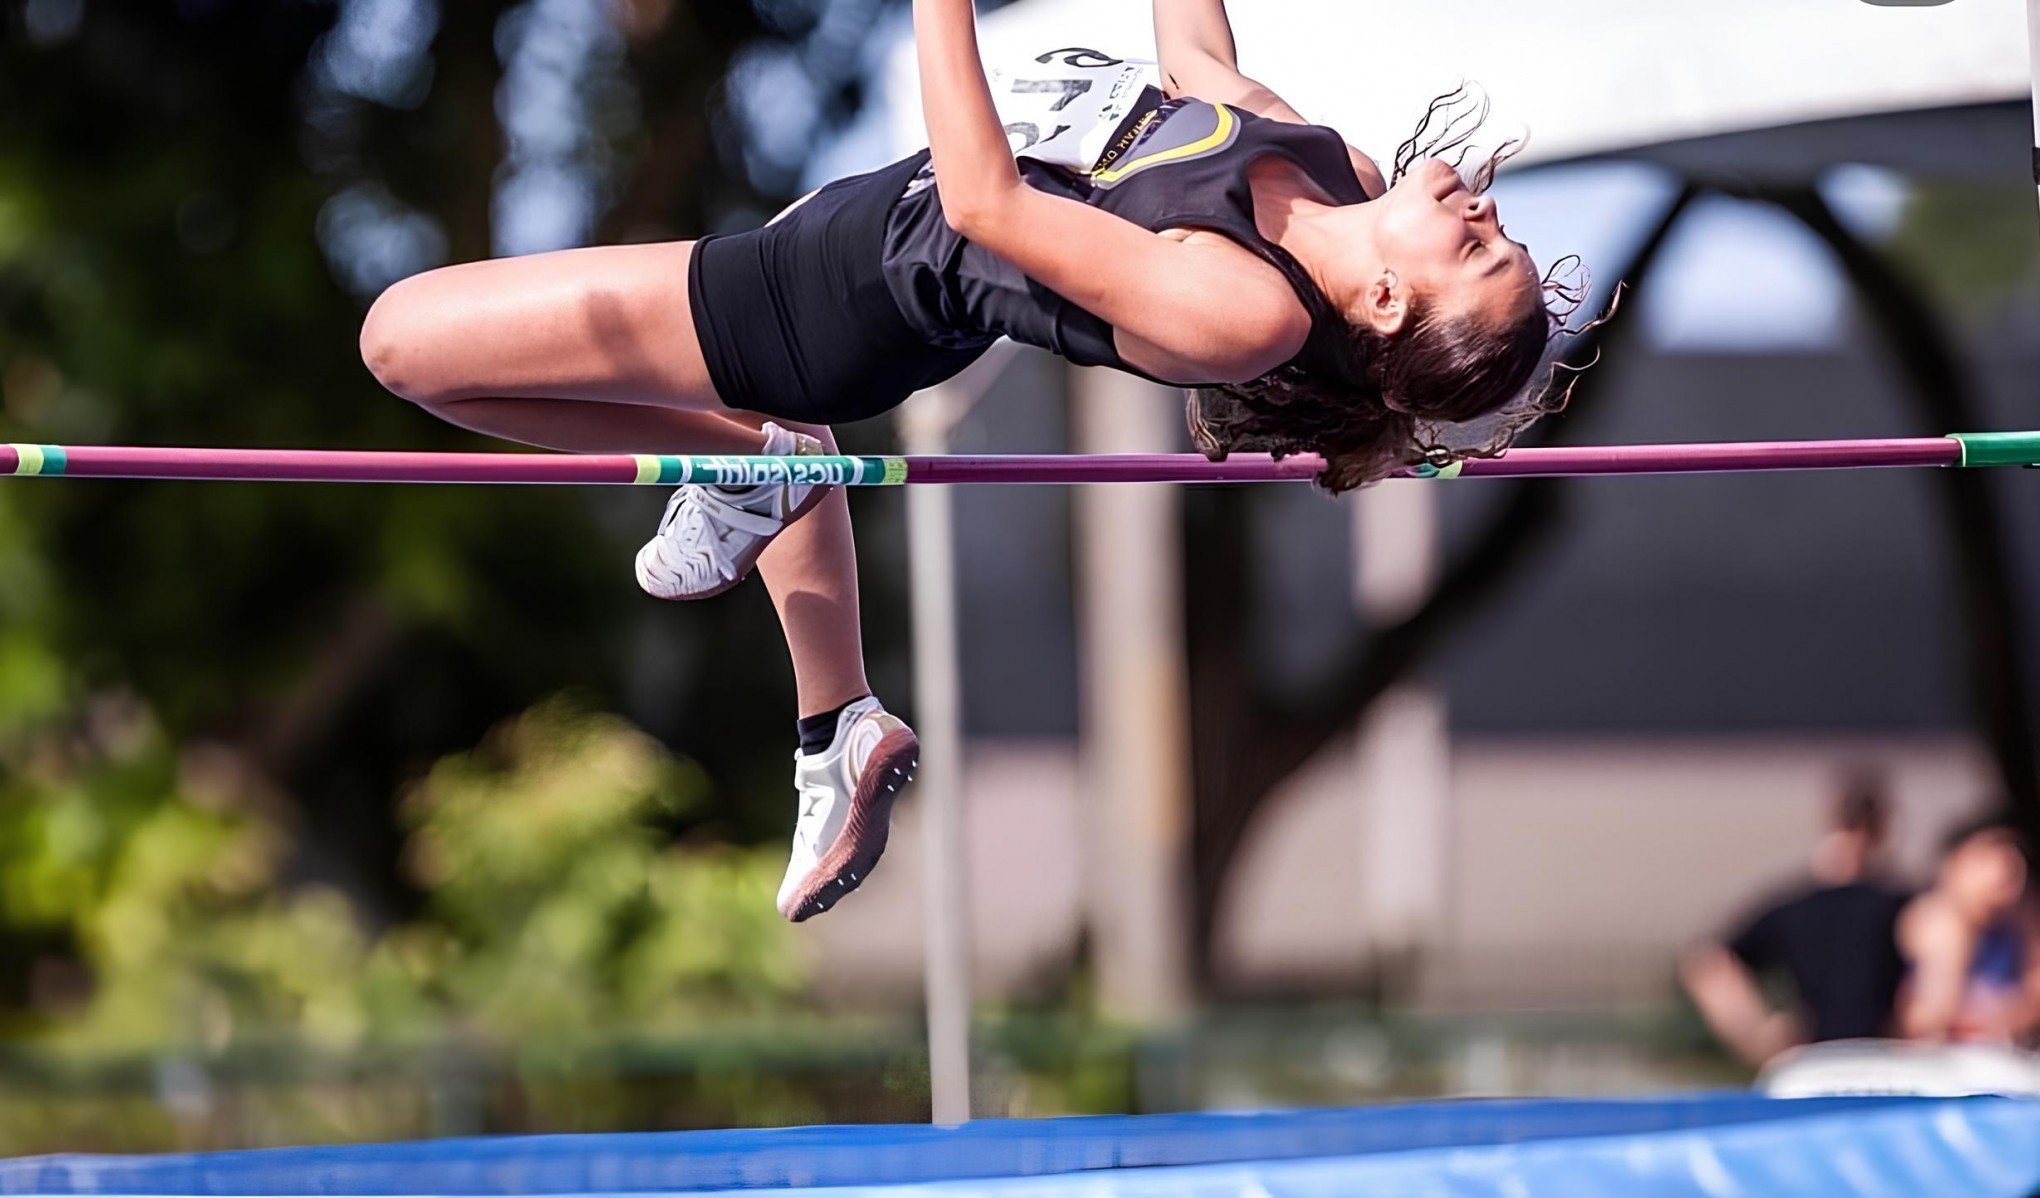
(1584, 76)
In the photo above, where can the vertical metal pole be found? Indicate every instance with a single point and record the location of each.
(1404, 763)
(2033, 63)
(1135, 715)
(938, 717)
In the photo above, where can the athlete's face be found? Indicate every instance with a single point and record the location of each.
(1432, 240)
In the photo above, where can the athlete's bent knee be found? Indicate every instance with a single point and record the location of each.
(391, 347)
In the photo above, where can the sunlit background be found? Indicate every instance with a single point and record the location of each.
(334, 813)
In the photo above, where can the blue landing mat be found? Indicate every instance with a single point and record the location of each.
(1710, 1144)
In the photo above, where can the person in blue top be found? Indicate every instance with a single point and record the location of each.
(1972, 943)
(1213, 239)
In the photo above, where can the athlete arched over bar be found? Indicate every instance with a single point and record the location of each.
(1183, 224)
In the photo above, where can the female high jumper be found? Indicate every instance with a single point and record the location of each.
(1207, 236)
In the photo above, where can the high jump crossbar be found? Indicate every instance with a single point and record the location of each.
(665, 470)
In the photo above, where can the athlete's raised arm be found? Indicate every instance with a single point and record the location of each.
(1194, 41)
(974, 169)
(1159, 293)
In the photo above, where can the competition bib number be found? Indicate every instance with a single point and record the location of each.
(1064, 106)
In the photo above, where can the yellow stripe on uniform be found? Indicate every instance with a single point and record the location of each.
(1217, 138)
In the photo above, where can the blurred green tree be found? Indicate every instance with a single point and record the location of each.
(556, 916)
(556, 911)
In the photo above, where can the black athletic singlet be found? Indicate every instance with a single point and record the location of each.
(1181, 165)
(862, 295)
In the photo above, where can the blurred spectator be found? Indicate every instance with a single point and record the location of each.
(1972, 943)
(1832, 936)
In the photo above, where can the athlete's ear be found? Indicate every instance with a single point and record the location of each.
(1385, 305)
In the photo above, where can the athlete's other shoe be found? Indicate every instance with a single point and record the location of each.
(846, 798)
(710, 536)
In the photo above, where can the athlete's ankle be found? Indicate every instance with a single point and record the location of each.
(818, 731)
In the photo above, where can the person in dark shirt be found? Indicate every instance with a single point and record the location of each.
(1833, 937)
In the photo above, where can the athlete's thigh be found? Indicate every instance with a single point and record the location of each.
(609, 323)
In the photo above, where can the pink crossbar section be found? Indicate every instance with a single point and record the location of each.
(1112, 468)
(338, 465)
(1520, 463)
(1721, 457)
(367, 466)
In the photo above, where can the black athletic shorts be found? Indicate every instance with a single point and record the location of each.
(795, 319)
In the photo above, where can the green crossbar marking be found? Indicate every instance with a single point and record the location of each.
(766, 470)
(659, 469)
(1999, 449)
(38, 459)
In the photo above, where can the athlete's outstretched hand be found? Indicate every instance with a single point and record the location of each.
(1194, 41)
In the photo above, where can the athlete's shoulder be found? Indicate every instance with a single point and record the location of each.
(1176, 131)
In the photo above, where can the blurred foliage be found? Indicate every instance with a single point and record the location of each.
(779, 1071)
(149, 884)
(555, 912)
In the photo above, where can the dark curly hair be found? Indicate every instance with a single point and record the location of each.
(1439, 371)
